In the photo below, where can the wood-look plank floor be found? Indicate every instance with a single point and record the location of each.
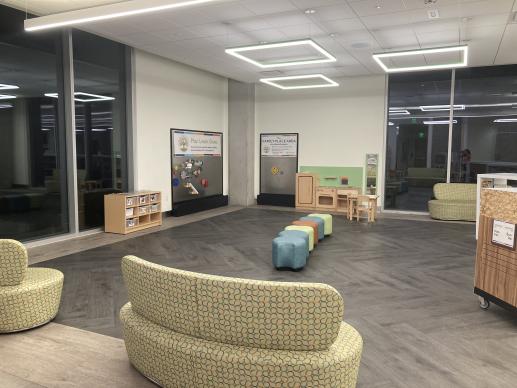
(407, 287)
(61, 356)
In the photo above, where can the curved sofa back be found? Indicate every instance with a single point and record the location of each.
(13, 262)
(455, 191)
(252, 313)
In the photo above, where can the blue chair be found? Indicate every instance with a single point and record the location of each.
(321, 225)
(289, 252)
(298, 234)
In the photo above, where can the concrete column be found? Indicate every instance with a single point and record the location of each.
(241, 142)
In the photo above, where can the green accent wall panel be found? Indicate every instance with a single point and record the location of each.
(331, 176)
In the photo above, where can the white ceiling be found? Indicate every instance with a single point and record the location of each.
(350, 29)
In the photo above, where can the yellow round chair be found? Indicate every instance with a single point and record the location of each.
(29, 297)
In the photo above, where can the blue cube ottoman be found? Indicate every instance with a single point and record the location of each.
(298, 234)
(321, 225)
(289, 252)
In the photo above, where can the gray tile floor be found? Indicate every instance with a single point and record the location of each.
(407, 287)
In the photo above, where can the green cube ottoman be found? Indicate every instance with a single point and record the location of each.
(327, 219)
(306, 229)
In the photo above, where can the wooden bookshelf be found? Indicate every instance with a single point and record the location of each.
(130, 212)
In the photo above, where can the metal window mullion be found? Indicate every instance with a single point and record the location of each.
(451, 126)
(71, 151)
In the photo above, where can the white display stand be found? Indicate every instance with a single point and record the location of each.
(493, 181)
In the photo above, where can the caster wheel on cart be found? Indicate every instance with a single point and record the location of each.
(484, 303)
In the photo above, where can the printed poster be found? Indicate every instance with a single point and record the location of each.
(281, 145)
(197, 143)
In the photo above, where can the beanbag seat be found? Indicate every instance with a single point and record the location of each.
(327, 219)
(289, 252)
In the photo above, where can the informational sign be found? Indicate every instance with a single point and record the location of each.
(197, 164)
(197, 143)
(279, 145)
(503, 234)
(278, 163)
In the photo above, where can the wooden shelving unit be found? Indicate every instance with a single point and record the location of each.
(130, 212)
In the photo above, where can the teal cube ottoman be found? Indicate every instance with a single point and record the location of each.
(289, 252)
(321, 225)
(298, 234)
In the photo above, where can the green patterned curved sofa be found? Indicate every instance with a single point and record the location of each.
(184, 329)
(29, 297)
(454, 202)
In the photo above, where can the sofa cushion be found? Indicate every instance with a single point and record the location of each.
(261, 314)
(165, 296)
(13, 262)
(455, 191)
(176, 360)
(452, 210)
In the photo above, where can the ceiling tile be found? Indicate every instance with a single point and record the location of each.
(393, 38)
(377, 7)
(264, 7)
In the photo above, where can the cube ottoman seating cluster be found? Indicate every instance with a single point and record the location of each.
(292, 246)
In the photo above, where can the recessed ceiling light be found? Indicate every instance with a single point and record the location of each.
(238, 53)
(310, 11)
(8, 87)
(110, 11)
(436, 108)
(6, 106)
(6, 97)
(440, 122)
(276, 82)
(461, 49)
(78, 96)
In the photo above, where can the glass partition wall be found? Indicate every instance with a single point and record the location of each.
(482, 137)
(99, 123)
(35, 194)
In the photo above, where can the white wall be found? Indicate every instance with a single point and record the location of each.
(337, 126)
(172, 95)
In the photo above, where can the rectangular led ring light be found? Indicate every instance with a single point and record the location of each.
(239, 52)
(8, 87)
(106, 12)
(276, 82)
(436, 108)
(79, 96)
(461, 49)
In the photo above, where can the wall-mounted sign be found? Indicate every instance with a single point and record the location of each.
(197, 143)
(279, 145)
(503, 234)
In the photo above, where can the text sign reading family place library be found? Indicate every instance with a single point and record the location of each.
(197, 143)
(283, 145)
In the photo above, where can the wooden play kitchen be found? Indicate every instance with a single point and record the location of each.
(130, 212)
(496, 259)
(311, 195)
